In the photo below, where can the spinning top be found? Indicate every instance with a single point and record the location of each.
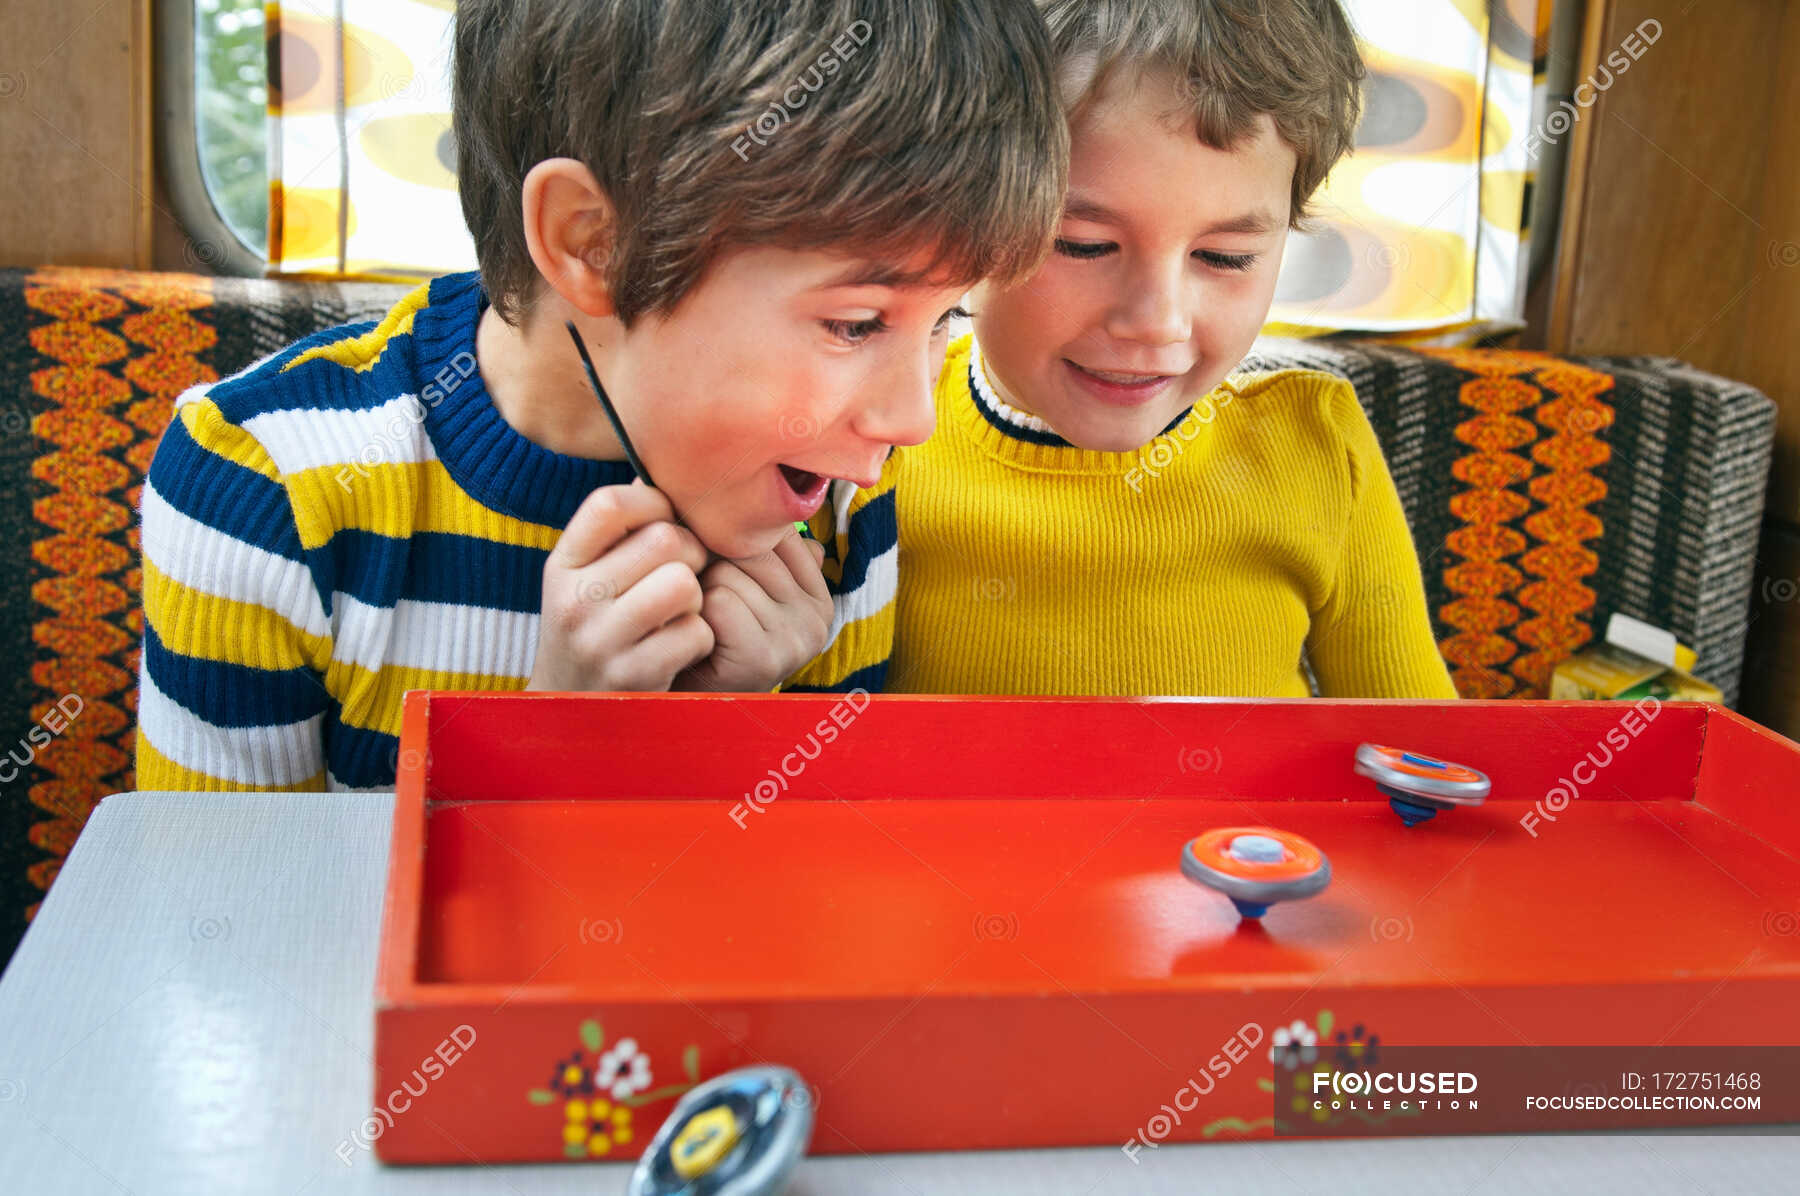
(1256, 866)
(739, 1134)
(1417, 787)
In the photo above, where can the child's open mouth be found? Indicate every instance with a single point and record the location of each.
(804, 491)
(1119, 387)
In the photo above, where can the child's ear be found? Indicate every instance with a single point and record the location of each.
(569, 232)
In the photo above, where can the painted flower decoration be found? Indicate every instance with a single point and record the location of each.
(1357, 1049)
(1291, 1046)
(571, 1078)
(624, 1069)
(593, 1128)
(583, 1080)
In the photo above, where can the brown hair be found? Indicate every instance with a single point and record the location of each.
(1295, 60)
(888, 128)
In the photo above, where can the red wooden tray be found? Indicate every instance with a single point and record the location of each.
(964, 920)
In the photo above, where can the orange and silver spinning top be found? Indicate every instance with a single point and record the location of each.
(1255, 866)
(1417, 787)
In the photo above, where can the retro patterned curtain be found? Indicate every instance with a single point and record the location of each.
(362, 167)
(1422, 233)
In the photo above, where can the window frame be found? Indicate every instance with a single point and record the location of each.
(212, 244)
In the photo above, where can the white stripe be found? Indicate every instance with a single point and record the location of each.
(205, 559)
(304, 438)
(439, 636)
(881, 582)
(988, 397)
(253, 756)
(842, 493)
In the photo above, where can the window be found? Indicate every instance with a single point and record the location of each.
(231, 97)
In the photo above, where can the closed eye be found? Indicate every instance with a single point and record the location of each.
(1084, 250)
(1227, 261)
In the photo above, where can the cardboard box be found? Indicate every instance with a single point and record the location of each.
(1636, 661)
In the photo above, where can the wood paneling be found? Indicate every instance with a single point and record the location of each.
(1682, 224)
(1770, 357)
(75, 133)
(1681, 236)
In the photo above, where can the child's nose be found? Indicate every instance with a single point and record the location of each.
(901, 411)
(1154, 308)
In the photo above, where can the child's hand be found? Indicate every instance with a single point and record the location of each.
(622, 597)
(769, 616)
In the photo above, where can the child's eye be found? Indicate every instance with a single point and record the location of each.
(943, 324)
(1084, 250)
(1227, 261)
(855, 332)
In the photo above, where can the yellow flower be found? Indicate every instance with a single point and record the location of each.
(621, 1116)
(574, 1132)
(577, 1110)
(599, 1144)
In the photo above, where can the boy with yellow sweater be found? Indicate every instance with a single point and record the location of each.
(1105, 508)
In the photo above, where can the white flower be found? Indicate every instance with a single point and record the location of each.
(1296, 1044)
(624, 1069)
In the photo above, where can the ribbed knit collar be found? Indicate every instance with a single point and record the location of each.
(1023, 438)
(489, 458)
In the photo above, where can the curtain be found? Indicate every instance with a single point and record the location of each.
(362, 166)
(1421, 235)
(1423, 232)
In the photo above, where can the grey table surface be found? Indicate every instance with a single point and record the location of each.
(192, 1012)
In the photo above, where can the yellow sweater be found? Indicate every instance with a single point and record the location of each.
(997, 558)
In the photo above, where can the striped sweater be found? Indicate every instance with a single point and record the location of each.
(1259, 535)
(344, 521)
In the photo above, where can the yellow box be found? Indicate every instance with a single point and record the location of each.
(1609, 672)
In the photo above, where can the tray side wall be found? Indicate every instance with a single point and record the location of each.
(996, 1073)
(518, 746)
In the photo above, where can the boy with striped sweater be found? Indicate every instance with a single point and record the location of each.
(1106, 508)
(757, 218)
